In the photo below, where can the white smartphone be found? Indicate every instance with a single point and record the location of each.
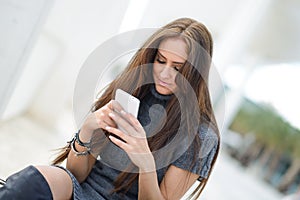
(128, 102)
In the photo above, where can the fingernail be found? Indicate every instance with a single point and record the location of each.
(123, 112)
(111, 114)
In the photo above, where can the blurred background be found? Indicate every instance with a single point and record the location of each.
(44, 43)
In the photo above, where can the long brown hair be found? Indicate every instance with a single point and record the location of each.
(194, 72)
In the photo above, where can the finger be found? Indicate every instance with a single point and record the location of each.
(103, 124)
(118, 133)
(123, 123)
(104, 120)
(117, 106)
(119, 143)
(135, 123)
(110, 105)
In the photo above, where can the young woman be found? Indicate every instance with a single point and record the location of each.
(173, 142)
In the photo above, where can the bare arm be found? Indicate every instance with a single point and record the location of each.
(148, 186)
(177, 182)
(81, 166)
(174, 185)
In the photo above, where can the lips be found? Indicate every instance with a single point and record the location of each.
(163, 83)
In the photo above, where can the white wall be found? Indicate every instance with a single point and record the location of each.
(73, 29)
(20, 24)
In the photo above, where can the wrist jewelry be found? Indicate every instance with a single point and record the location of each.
(78, 153)
(87, 145)
(84, 144)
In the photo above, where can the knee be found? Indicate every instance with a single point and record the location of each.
(59, 181)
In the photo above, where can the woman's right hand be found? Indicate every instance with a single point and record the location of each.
(96, 120)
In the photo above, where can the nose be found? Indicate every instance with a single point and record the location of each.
(166, 72)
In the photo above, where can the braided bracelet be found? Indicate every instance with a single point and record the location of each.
(77, 153)
(84, 144)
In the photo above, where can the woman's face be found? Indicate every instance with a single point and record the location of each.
(170, 57)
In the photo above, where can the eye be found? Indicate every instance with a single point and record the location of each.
(160, 61)
(176, 68)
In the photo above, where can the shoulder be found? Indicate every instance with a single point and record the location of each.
(209, 138)
(199, 156)
(208, 131)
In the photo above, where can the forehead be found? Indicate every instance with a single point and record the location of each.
(174, 49)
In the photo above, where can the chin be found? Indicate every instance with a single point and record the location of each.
(162, 90)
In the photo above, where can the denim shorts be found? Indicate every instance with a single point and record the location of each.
(77, 190)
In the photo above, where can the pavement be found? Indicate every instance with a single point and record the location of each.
(230, 181)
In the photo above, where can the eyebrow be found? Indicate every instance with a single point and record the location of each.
(180, 63)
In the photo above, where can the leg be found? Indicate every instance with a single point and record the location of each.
(59, 181)
(41, 182)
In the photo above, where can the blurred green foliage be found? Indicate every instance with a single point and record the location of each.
(268, 127)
